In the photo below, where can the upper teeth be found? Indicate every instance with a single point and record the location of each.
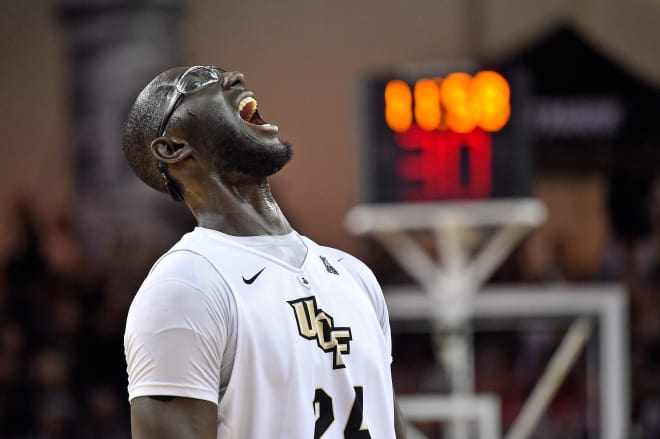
(248, 101)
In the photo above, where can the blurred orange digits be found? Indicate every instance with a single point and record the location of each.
(459, 103)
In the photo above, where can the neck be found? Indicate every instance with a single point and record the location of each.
(244, 208)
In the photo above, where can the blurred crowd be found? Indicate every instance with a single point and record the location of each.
(62, 369)
(61, 338)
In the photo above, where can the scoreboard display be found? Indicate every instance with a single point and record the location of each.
(450, 135)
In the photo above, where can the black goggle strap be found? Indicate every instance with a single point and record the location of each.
(171, 187)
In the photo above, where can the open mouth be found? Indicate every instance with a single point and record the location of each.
(247, 109)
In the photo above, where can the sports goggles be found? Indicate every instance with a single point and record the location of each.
(191, 81)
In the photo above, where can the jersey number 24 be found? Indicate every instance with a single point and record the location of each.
(326, 416)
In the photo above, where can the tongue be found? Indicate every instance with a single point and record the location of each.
(256, 119)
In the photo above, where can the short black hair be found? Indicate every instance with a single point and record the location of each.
(142, 126)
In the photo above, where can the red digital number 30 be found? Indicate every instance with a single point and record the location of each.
(449, 165)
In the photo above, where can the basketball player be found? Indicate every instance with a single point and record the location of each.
(244, 329)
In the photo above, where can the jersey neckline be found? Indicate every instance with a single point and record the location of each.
(240, 242)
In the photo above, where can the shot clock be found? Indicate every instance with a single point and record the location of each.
(444, 134)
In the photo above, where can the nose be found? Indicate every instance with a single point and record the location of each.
(233, 79)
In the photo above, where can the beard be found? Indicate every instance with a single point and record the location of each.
(241, 153)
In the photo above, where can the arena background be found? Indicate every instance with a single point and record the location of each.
(303, 59)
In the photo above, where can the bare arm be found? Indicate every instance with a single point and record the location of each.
(167, 417)
(399, 422)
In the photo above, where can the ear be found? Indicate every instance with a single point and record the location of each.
(170, 149)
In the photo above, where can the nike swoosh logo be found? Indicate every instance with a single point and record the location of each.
(253, 278)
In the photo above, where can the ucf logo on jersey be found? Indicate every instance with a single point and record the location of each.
(316, 324)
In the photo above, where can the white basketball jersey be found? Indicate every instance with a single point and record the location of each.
(312, 351)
